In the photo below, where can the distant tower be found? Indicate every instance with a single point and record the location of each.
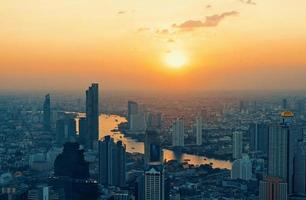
(258, 133)
(152, 147)
(199, 128)
(285, 104)
(92, 114)
(242, 168)
(237, 144)
(65, 131)
(83, 134)
(132, 110)
(47, 112)
(112, 162)
(273, 188)
(178, 133)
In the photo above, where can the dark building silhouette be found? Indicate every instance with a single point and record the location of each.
(259, 133)
(92, 114)
(112, 162)
(153, 151)
(132, 110)
(47, 112)
(65, 130)
(83, 136)
(71, 173)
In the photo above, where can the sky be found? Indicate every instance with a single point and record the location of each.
(153, 45)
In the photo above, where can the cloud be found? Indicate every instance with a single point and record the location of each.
(210, 21)
(208, 6)
(121, 12)
(162, 31)
(250, 2)
(142, 29)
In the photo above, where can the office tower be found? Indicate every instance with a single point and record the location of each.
(259, 133)
(92, 114)
(273, 188)
(71, 173)
(47, 112)
(285, 104)
(242, 168)
(138, 122)
(71, 162)
(65, 130)
(242, 106)
(112, 162)
(299, 176)
(152, 149)
(154, 183)
(154, 121)
(178, 133)
(132, 110)
(199, 129)
(237, 144)
(83, 136)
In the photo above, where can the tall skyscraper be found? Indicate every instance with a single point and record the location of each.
(83, 134)
(199, 127)
(273, 188)
(65, 130)
(242, 168)
(112, 162)
(153, 151)
(178, 133)
(259, 133)
(237, 144)
(92, 114)
(132, 110)
(154, 183)
(285, 104)
(299, 176)
(47, 112)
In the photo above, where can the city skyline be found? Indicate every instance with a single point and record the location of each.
(153, 45)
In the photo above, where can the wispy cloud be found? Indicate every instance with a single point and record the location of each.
(142, 29)
(250, 2)
(121, 12)
(210, 21)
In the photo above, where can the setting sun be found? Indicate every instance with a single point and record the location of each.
(176, 60)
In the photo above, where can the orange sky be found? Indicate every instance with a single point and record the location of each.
(123, 44)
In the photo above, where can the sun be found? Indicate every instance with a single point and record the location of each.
(176, 60)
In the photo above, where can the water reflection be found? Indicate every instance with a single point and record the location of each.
(108, 125)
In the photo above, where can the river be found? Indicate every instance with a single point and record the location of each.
(110, 122)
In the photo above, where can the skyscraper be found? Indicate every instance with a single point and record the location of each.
(47, 112)
(299, 176)
(199, 128)
(92, 114)
(178, 133)
(83, 134)
(65, 130)
(242, 168)
(154, 183)
(112, 162)
(273, 188)
(152, 147)
(258, 133)
(132, 110)
(237, 144)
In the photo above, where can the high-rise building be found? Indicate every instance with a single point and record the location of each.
(154, 183)
(65, 130)
(92, 114)
(273, 188)
(178, 133)
(83, 135)
(112, 162)
(299, 176)
(43, 193)
(199, 128)
(47, 112)
(259, 133)
(132, 110)
(242, 168)
(237, 144)
(153, 152)
(285, 104)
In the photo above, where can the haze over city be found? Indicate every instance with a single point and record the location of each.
(153, 45)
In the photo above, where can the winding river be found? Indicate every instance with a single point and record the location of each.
(110, 122)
